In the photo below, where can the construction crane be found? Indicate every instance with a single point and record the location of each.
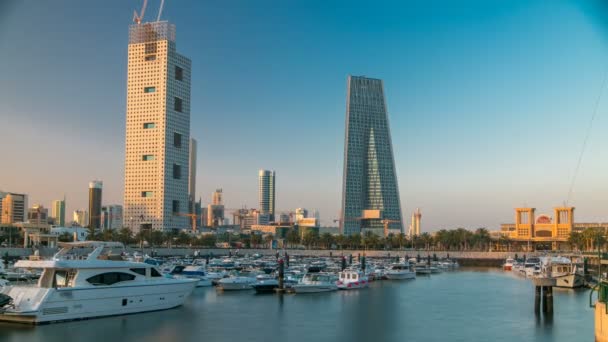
(386, 222)
(137, 18)
(193, 217)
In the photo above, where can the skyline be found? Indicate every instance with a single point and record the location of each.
(449, 73)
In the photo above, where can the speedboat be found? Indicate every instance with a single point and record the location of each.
(235, 283)
(97, 285)
(399, 272)
(195, 272)
(352, 279)
(508, 265)
(315, 282)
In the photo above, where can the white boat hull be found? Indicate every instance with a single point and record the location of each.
(303, 288)
(65, 304)
(570, 281)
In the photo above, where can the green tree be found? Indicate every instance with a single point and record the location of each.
(293, 238)
(125, 236)
(326, 240)
(370, 240)
(310, 238)
(65, 237)
(183, 238)
(156, 238)
(268, 240)
(256, 240)
(208, 240)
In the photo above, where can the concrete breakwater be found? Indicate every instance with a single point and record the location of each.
(466, 258)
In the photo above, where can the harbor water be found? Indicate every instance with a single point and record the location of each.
(471, 304)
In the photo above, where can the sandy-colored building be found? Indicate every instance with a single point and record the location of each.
(157, 130)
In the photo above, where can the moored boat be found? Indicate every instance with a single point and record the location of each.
(97, 286)
(399, 272)
(315, 282)
(352, 279)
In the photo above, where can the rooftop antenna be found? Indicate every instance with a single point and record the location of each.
(160, 9)
(137, 18)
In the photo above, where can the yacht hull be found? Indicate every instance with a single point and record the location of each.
(400, 276)
(570, 281)
(301, 288)
(67, 304)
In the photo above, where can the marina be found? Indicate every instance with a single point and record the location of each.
(469, 304)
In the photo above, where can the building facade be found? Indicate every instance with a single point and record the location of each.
(415, 224)
(95, 192)
(157, 129)
(38, 215)
(14, 208)
(543, 231)
(111, 217)
(58, 212)
(300, 213)
(192, 177)
(81, 218)
(370, 192)
(267, 192)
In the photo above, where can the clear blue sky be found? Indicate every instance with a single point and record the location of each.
(489, 101)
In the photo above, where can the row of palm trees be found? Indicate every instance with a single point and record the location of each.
(459, 239)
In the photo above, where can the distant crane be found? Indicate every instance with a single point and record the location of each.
(137, 18)
(193, 217)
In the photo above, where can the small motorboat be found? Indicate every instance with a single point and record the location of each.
(236, 283)
(508, 265)
(315, 282)
(400, 272)
(352, 279)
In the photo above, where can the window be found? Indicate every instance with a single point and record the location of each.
(175, 206)
(149, 89)
(151, 58)
(150, 48)
(155, 273)
(177, 104)
(177, 140)
(110, 278)
(63, 278)
(177, 171)
(149, 125)
(141, 271)
(147, 193)
(147, 157)
(179, 73)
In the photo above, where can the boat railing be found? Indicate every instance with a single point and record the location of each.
(602, 294)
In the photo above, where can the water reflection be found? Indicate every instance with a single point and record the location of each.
(470, 305)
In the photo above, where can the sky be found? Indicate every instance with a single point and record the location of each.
(489, 101)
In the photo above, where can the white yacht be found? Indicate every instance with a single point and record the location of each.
(399, 272)
(352, 279)
(73, 287)
(315, 282)
(235, 283)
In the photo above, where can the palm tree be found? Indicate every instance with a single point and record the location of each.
(256, 240)
(268, 239)
(327, 240)
(293, 237)
(482, 238)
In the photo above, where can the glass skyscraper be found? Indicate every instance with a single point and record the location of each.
(267, 192)
(370, 193)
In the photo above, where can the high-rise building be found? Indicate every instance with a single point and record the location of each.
(192, 177)
(38, 215)
(81, 217)
(215, 210)
(217, 197)
(267, 192)
(301, 213)
(111, 217)
(95, 204)
(157, 129)
(415, 224)
(14, 208)
(370, 193)
(58, 212)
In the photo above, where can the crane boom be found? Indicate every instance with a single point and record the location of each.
(160, 9)
(138, 18)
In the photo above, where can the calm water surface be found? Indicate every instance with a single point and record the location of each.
(466, 305)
